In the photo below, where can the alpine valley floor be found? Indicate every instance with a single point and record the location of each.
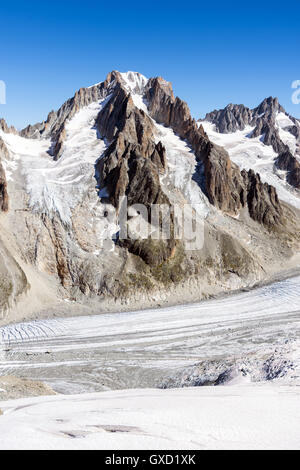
(250, 340)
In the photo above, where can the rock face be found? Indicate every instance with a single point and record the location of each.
(54, 126)
(3, 182)
(262, 200)
(287, 162)
(133, 162)
(4, 154)
(223, 183)
(119, 149)
(230, 119)
(4, 127)
(263, 119)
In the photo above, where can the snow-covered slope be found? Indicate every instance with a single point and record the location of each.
(237, 417)
(252, 153)
(135, 82)
(181, 170)
(58, 186)
(283, 122)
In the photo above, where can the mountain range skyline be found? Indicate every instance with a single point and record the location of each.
(213, 54)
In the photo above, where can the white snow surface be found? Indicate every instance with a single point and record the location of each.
(250, 153)
(282, 122)
(58, 186)
(134, 81)
(237, 417)
(181, 169)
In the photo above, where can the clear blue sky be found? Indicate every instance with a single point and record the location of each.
(213, 52)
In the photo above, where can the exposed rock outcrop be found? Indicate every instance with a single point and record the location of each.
(3, 182)
(131, 166)
(230, 119)
(262, 200)
(263, 120)
(132, 163)
(270, 134)
(4, 127)
(54, 126)
(287, 162)
(224, 185)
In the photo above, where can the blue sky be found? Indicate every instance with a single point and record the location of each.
(214, 53)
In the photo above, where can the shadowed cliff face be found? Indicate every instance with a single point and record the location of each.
(133, 161)
(3, 191)
(132, 165)
(287, 162)
(263, 203)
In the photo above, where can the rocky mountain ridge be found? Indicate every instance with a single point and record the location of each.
(263, 120)
(128, 136)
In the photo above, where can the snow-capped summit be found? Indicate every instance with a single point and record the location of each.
(135, 82)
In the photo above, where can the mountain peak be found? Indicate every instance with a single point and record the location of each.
(270, 106)
(135, 82)
(237, 116)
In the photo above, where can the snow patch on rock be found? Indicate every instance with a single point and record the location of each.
(238, 417)
(181, 170)
(282, 123)
(58, 186)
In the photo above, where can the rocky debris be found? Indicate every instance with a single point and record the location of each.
(12, 388)
(58, 239)
(13, 281)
